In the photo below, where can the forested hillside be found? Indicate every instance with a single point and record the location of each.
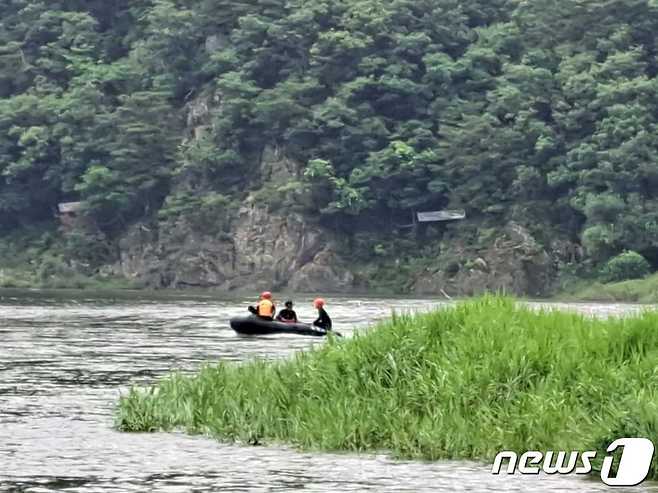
(541, 114)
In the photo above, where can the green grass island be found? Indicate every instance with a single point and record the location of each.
(464, 382)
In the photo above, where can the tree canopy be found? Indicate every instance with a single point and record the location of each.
(538, 112)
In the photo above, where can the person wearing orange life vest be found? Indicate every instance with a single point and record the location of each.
(265, 307)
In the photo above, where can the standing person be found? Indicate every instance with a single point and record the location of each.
(265, 308)
(323, 321)
(287, 315)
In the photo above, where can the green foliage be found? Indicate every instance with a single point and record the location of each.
(625, 266)
(508, 109)
(88, 250)
(634, 291)
(80, 119)
(210, 212)
(54, 267)
(600, 240)
(39, 256)
(603, 208)
(443, 385)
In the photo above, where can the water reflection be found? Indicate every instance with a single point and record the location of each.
(64, 362)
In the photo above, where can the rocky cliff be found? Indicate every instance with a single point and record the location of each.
(262, 248)
(267, 248)
(513, 263)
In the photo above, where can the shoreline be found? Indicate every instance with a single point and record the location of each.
(642, 291)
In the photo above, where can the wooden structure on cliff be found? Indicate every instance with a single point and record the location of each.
(434, 217)
(440, 216)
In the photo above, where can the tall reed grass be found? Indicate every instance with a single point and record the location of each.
(463, 382)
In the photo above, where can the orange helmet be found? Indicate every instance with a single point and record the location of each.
(318, 303)
(266, 295)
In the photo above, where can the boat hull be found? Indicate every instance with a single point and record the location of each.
(252, 325)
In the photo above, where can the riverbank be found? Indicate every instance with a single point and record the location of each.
(35, 259)
(24, 279)
(40, 258)
(292, 253)
(460, 383)
(635, 291)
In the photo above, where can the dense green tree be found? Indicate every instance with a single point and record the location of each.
(512, 110)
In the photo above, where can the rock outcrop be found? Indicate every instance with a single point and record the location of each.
(262, 248)
(323, 273)
(515, 263)
(276, 167)
(275, 251)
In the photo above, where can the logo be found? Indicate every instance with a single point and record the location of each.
(632, 467)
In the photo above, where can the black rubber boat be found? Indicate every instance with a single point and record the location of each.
(252, 325)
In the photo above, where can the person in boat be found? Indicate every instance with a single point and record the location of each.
(323, 321)
(287, 315)
(265, 307)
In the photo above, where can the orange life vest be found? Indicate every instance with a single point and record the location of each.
(265, 308)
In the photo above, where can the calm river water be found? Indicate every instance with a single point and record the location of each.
(66, 357)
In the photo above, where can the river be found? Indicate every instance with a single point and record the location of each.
(65, 358)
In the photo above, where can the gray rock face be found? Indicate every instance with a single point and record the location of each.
(263, 250)
(514, 264)
(270, 248)
(277, 167)
(322, 274)
(138, 259)
(198, 111)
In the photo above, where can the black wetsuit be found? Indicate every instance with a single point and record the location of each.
(323, 321)
(287, 315)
